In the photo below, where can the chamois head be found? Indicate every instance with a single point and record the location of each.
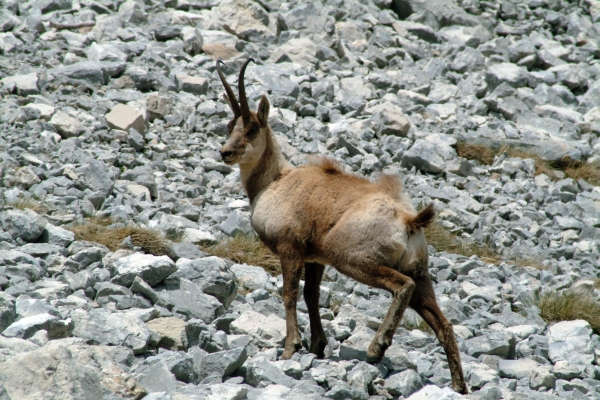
(247, 138)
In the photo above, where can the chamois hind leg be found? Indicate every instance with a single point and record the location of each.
(291, 268)
(401, 287)
(424, 303)
(313, 273)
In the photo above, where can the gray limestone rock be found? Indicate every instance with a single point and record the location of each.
(205, 336)
(211, 274)
(403, 383)
(237, 223)
(119, 329)
(221, 364)
(424, 156)
(186, 298)
(57, 236)
(493, 343)
(23, 224)
(151, 269)
(75, 369)
(26, 327)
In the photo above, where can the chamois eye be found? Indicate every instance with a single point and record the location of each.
(252, 132)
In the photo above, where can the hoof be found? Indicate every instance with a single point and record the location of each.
(319, 349)
(462, 389)
(373, 359)
(375, 352)
(289, 351)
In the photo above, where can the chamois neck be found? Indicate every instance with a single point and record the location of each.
(257, 176)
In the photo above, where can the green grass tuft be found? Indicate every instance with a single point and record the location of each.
(568, 306)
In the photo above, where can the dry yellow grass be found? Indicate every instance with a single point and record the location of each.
(444, 240)
(569, 306)
(541, 166)
(28, 202)
(532, 262)
(484, 154)
(589, 172)
(249, 250)
(99, 230)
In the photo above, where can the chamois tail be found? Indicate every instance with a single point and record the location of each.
(421, 220)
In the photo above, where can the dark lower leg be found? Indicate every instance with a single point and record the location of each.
(425, 304)
(292, 271)
(401, 287)
(313, 273)
(445, 334)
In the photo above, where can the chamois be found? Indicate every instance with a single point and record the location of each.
(317, 214)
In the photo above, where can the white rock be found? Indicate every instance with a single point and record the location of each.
(269, 331)
(192, 84)
(150, 268)
(300, 50)
(571, 341)
(137, 190)
(393, 121)
(239, 204)
(465, 35)
(45, 110)
(524, 331)
(356, 87)
(251, 277)
(66, 125)
(432, 392)
(197, 236)
(24, 84)
(541, 376)
(124, 117)
(478, 375)
(467, 289)
(516, 369)
(462, 331)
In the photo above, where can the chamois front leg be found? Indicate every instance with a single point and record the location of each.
(313, 273)
(291, 268)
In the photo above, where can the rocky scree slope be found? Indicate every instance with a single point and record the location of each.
(112, 110)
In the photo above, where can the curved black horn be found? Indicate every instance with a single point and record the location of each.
(232, 100)
(242, 90)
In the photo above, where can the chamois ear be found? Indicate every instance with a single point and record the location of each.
(263, 110)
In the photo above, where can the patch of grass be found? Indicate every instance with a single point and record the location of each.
(541, 166)
(597, 283)
(533, 262)
(569, 306)
(484, 154)
(100, 230)
(445, 240)
(589, 172)
(244, 249)
(27, 202)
